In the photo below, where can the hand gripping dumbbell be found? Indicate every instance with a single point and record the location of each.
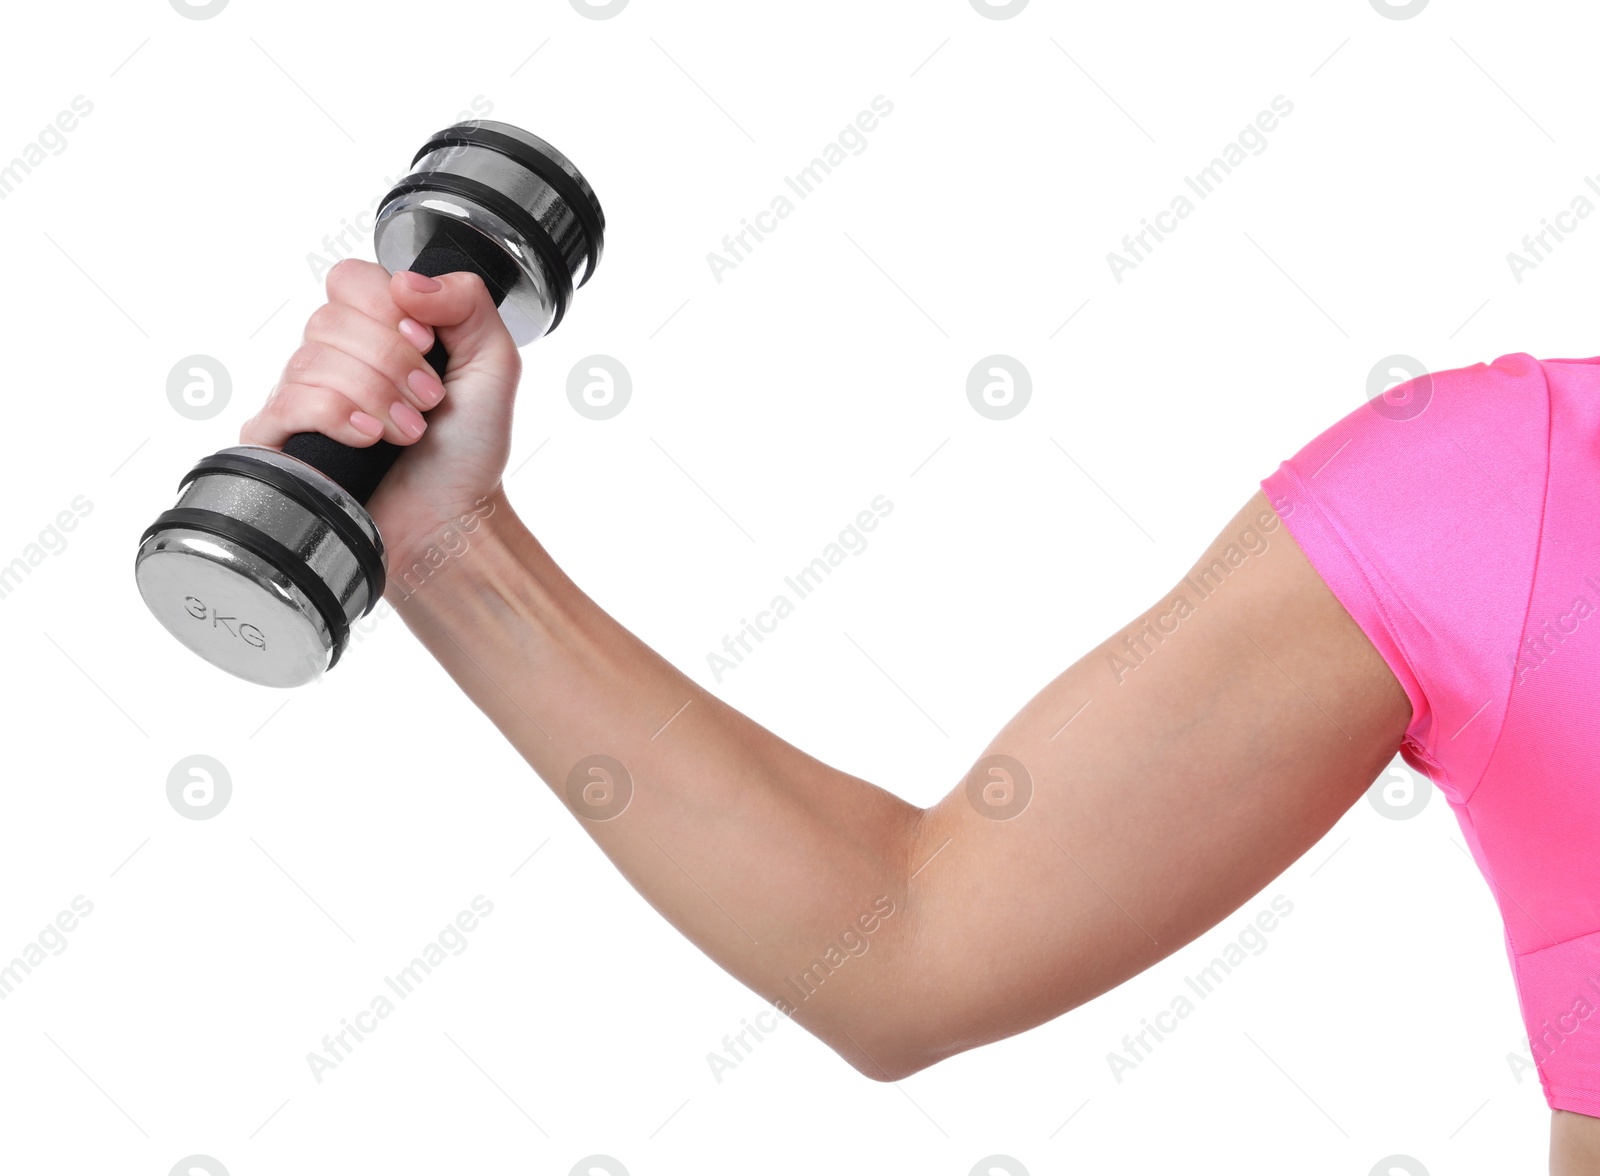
(269, 556)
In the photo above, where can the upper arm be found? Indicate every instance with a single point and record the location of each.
(1147, 792)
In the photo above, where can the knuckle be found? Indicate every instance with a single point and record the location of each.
(376, 388)
(398, 357)
(344, 273)
(339, 276)
(326, 319)
(320, 408)
(285, 402)
(304, 360)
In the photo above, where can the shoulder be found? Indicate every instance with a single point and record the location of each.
(1422, 511)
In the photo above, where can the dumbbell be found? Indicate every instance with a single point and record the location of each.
(269, 556)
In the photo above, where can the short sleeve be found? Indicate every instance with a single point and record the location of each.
(1421, 511)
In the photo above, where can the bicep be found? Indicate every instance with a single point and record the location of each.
(1147, 792)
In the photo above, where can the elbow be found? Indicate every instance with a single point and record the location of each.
(885, 1057)
(899, 1070)
(891, 1068)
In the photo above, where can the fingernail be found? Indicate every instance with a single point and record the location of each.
(427, 387)
(416, 334)
(370, 425)
(407, 419)
(419, 282)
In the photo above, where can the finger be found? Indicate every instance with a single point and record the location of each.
(378, 345)
(364, 286)
(304, 408)
(460, 307)
(322, 365)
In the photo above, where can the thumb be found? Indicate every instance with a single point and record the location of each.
(460, 307)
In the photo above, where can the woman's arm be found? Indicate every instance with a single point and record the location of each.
(1159, 782)
(1170, 773)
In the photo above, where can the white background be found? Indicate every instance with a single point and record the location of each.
(827, 368)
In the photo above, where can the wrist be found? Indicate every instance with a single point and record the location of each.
(438, 570)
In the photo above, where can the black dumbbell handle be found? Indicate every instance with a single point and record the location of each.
(450, 250)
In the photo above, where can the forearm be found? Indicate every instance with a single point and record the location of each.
(760, 854)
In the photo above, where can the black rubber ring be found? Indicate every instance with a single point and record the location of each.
(585, 207)
(280, 479)
(507, 210)
(280, 557)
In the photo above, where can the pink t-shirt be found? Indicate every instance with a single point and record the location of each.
(1457, 519)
